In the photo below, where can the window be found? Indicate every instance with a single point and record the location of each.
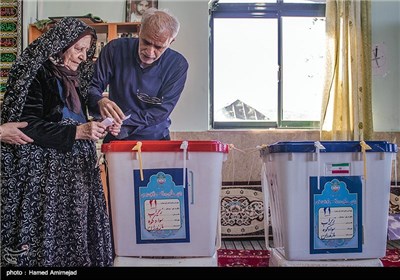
(266, 63)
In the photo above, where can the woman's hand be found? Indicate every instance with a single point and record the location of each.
(91, 131)
(114, 129)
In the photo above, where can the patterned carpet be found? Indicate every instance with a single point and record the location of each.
(243, 258)
(392, 258)
(260, 258)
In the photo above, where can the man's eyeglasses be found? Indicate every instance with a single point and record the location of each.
(149, 99)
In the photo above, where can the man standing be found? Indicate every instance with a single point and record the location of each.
(145, 78)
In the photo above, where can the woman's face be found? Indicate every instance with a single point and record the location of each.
(77, 53)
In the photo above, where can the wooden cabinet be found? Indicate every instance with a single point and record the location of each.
(110, 29)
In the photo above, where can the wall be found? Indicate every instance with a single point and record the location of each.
(243, 163)
(386, 87)
(192, 111)
(190, 118)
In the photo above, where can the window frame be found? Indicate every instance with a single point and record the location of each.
(260, 10)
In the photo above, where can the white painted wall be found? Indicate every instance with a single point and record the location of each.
(386, 87)
(192, 112)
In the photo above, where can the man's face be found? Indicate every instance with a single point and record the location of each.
(152, 45)
(141, 7)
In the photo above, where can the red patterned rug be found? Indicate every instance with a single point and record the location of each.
(260, 258)
(392, 258)
(243, 258)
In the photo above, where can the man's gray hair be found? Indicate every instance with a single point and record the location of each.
(162, 20)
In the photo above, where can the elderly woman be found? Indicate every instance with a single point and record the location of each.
(53, 210)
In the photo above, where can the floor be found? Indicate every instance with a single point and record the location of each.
(241, 244)
(276, 259)
(251, 244)
(259, 244)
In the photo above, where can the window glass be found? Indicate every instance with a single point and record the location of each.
(303, 55)
(245, 69)
(267, 64)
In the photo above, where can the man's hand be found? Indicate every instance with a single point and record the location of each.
(10, 133)
(109, 108)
